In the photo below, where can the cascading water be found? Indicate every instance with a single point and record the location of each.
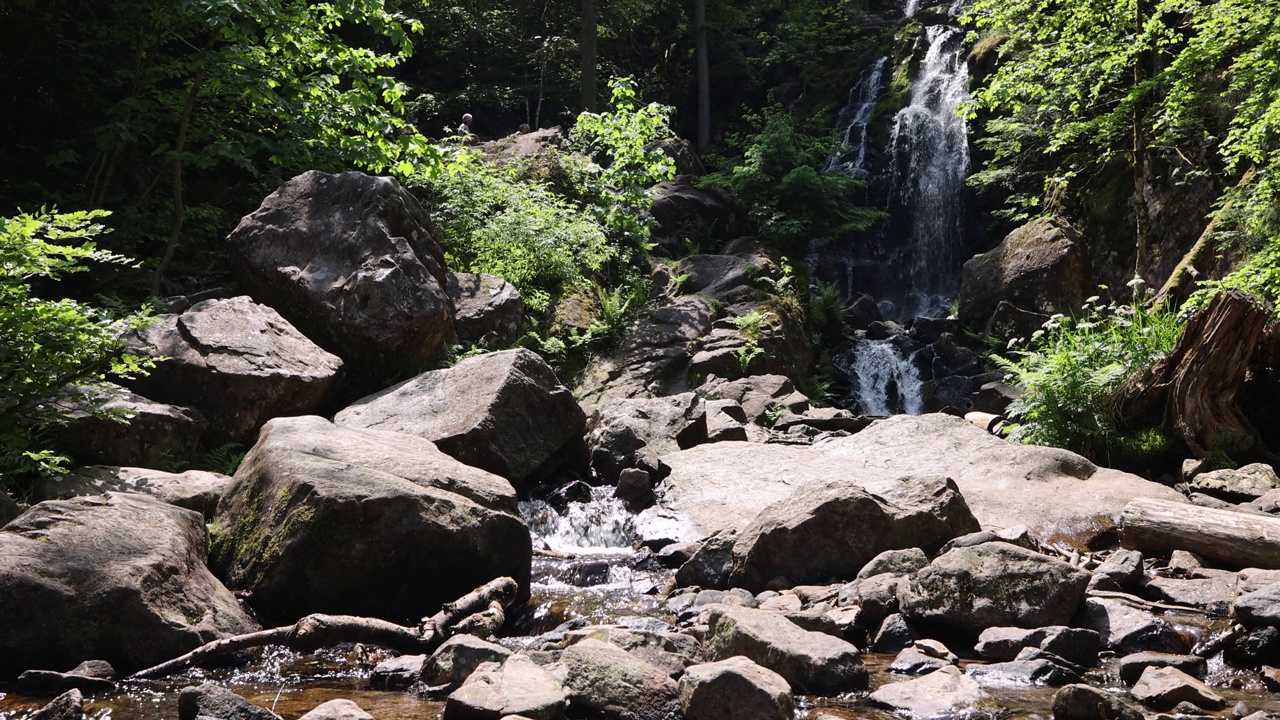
(854, 118)
(886, 382)
(601, 525)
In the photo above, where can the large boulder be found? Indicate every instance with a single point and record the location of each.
(120, 577)
(1039, 267)
(238, 362)
(735, 688)
(516, 687)
(614, 684)
(812, 662)
(1060, 495)
(197, 490)
(943, 693)
(504, 412)
(487, 309)
(154, 435)
(350, 260)
(682, 210)
(323, 518)
(832, 529)
(994, 584)
(634, 432)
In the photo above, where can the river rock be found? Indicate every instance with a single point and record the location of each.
(504, 412)
(734, 688)
(324, 518)
(67, 706)
(896, 562)
(1122, 571)
(1260, 607)
(156, 433)
(1132, 666)
(1164, 687)
(895, 635)
(610, 682)
(1039, 267)
(1032, 667)
(197, 490)
(1077, 645)
(118, 576)
(1056, 493)
(238, 362)
(214, 701)
(758, 395)
(1083, 702)
(1240, 485)
(1127, 629)
(1213, 595)
(811, 662)
(876, 595)
(349, 259)
(944, 693)
(833, 529)
(339, 709)
(516, 687)
(634, 489)
(398, 672)
(668, 651)
(49, 682)
(487, 309)
(726, 420)
(911, 661)
(994, 584)
(634, 432)
(458, 657)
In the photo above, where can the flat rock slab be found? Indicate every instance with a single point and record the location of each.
(1132, 666)
(1164, 687)
(812, 662)
(1127, 629)
(944, 693)
(337, 710)
(517, 687)
(1060, 495)
(735, 688)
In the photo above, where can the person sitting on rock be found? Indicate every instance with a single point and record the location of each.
(464, 130)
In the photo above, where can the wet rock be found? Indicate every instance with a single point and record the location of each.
(1032, 667)
(1241, 485)
(239, 363)
(994, 584)
(1122, 572)
(308, 522)
(1039, 267)
(607, 680)
(944, 693)
(734, 688)
(1127, 629)
(711, 564)
(487, 309)
(1163, 688)
(634, 432)
(1083, 702)
(811, 662)
(677, 554)
(1077, 645)
(833, 529)
(1259, 646)
(397, 673)
(337, 710)
(156, 433)
(635, 489)
(1214, 595)
(516, 687)
(504, 412)
(117, 576)
(197, 490)
(350, 261)
(1132, 666)
(911, 661)
(214, 701)
(48, 682)
(67, 706)
(1260, 607)
(895, 634)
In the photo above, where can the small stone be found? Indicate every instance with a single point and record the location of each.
(1185, 561)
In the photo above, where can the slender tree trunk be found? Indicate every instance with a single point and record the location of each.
(1140, 209)
(704, 72)
(589, 34)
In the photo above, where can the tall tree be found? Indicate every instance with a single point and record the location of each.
(704, 72)
(589, 33)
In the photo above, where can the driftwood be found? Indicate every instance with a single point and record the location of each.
(1195, 388)
(480, 612)
(1230, 537)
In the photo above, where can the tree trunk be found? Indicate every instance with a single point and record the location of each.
(1237, 539)
(704, 72)
(1195, 388)
(1199, 258)
(589, 28)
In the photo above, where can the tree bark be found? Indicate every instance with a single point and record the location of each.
(1195, 388)
(481, 611)
(704, 72)
(1235, 538)
(589, 35)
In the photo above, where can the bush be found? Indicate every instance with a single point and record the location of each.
(1073, 371)
(54, 354)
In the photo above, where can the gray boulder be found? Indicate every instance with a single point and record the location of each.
(735, 688)
(323, 518)
(1240, 485)
(758, 395)
(118, 576)
(895, 562)
(398, 672)
(214, 701)
(833, 529)
(155, 435)
(504, 412)
(349, 260)
(1260, 607)
(681, 207)
(487, 309)
(811, 662)
(1083, 702)
(1077, 645)
(1164, 687)
(1127, 629)
(339, 709)
(634, 432)
(238, 362)
(944, 693)
(1132, 666)
(67, 706)
(1122, 571)
(609, 681)
(458, 657)
(994, 584)
(516, 687)
(197, 490)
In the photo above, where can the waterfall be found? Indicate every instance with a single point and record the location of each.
(854, 118)
(599, 525)
(886, 381)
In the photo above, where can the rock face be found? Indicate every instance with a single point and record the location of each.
(238, 362)
(487, 309)
(833, 529)
(323, 518)
(995, 584)
(119, 577)
(812, 662)
(156, 434)
(349, 259)
(197, 490)
(735, 688)
(504, 412)
(1039, 267)
(607, 680)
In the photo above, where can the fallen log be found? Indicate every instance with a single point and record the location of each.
(1235, 538)
(482, 611)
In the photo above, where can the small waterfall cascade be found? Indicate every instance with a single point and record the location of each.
(886, 381)
(854, 118)
(600, 525)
